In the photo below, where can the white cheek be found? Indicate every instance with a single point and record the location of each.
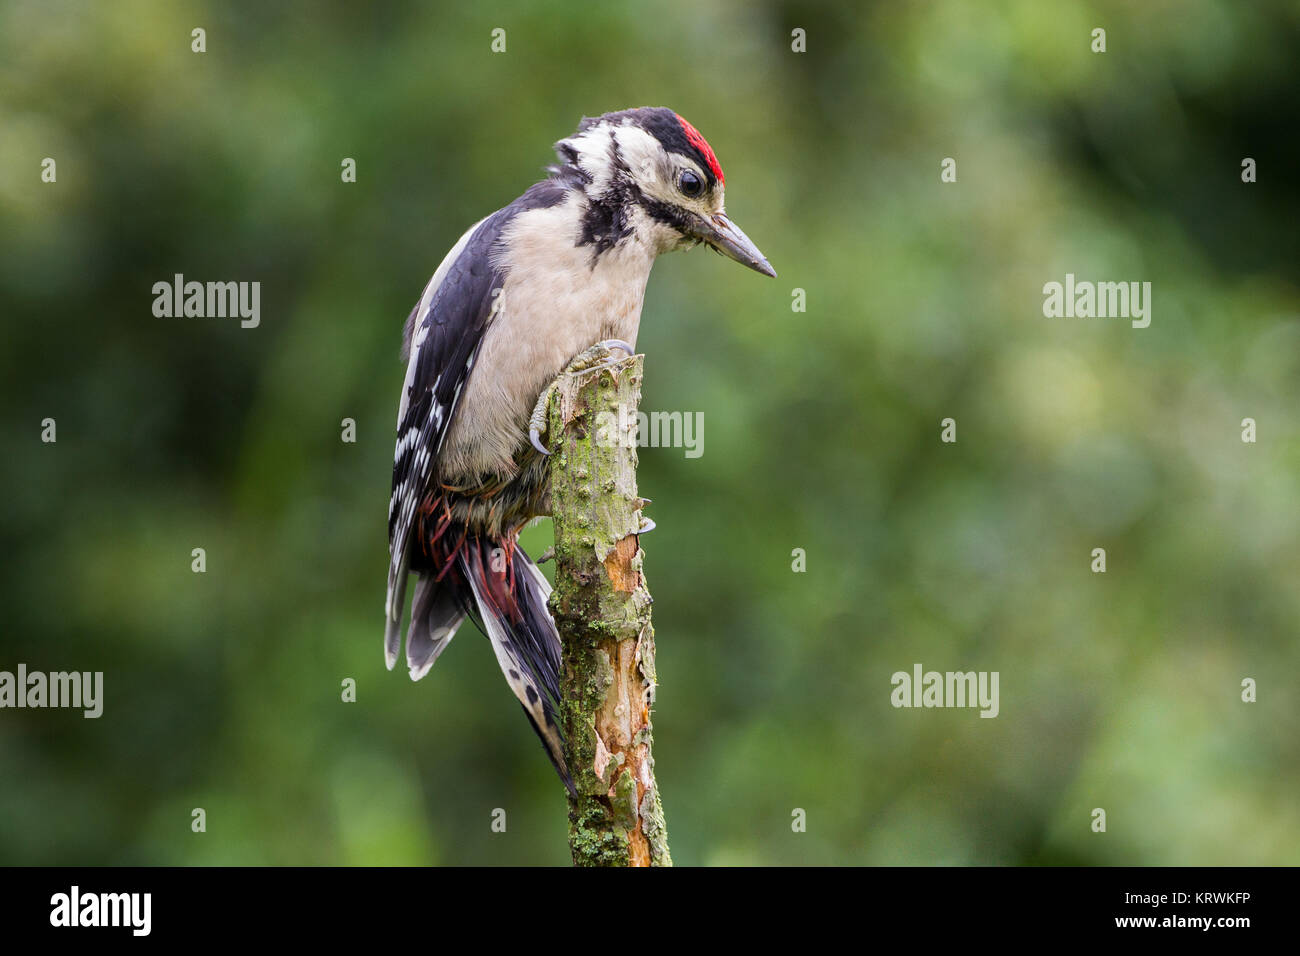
(644, 170)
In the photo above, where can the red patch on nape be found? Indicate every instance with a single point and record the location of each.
(700, 143)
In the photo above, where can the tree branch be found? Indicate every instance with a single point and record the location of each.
(602, 609)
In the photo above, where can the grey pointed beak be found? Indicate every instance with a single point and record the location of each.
(725, 236)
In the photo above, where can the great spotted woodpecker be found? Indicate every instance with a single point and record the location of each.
(556, 276)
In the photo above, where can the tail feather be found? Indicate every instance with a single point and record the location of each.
(510, 596)
(436, 612)
(493, 581)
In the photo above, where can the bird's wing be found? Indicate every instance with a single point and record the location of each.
(442, 338)
(443, 334)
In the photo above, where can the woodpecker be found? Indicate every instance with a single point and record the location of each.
(554, 280)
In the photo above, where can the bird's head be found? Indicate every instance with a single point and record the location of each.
(648, 176)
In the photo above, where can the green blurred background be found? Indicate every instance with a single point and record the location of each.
(924, 301)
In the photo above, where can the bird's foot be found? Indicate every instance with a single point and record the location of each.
(537, 421)
(599, 355)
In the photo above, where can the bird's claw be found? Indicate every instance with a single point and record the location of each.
(534, 436)
(618, 344)
(647, 525)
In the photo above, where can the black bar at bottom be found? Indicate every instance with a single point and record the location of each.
(333, 905)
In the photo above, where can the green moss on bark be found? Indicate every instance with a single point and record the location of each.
(602, 609)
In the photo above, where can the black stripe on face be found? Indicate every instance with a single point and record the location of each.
(606, 221)
(666, 213)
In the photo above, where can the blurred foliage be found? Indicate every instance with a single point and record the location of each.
(822, 428)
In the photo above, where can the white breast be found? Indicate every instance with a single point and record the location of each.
(555, 304)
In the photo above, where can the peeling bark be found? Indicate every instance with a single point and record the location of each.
(602, 609)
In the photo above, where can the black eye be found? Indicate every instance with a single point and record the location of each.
(690, 184)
